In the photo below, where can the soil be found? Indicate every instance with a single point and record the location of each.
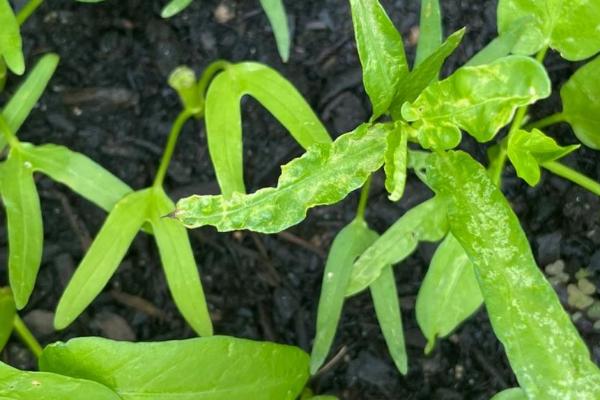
(109, 100)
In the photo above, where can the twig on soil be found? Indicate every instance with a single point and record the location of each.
(139, 303)
(339, 356)
(290, 237)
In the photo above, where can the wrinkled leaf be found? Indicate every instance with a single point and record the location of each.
(511, 394)
(224, 120)
(8, 310)
(430, 30)
(528, 150)
(500, 46)
(10, 39)
(275, 11)
(325, 174)
(213, 368)
(396, 156)
(381, 53)
(479, 100)
(174, 7)
(568, 26)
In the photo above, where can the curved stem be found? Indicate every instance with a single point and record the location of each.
(27, 337)
(364, 198)
(547, 121)
(28, 9)
(209, 73)
(574, 176)
(171, 142)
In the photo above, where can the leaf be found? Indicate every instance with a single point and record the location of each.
(568, 26)
(174, 7)
(449, 293)
(275, 11)
(348, 244)
(103, 257)
(479, 100)
(23, 385)
(22, 102)
(387, 309)
(396, 156)
(224, 120)
(8, 311)
(325, 174)
(546, 353)
(510, 394)
(179, 264)
(10, 39)
(381, 53)
(430, 30)
(528, 150)
(25, 227)
(425, 222)
(502, 45)
(212, 368)
(581, 103)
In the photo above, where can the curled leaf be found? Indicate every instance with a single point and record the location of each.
(396, 156)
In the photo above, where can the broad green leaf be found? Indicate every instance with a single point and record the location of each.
(387, 309)
(224, 120)
(349, 243)
(10, 39)
(275, 11)
(22, 102)
(396, 156)
(174, 7)
(381, 53)
(568, 26)
(500, 46)
(425, 222)
(325, 174)
(449, 293)
(430, 30)
(546, 353)
(25, 227)
(581, 103)
(528, 150)
(511, 394)
(8, 310)
(79, 173)
(179, 264)
(479, 100)
(24, 385)
(212, 368)
(103, 257)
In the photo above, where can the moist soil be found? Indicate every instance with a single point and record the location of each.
(109, 100)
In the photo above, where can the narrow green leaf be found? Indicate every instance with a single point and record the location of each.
(511, 394)
(387, 309)
(10, 39)
(581, 103)
(103, 257)
(528, 150)
(25, 227)
(24, 385)
(381, 53)
(430, 30)
(224, 120)
(502, 45)
(275, 11)
(212, 368)
(349, 243)
(568, 26)
(479, 100)
(396, 158)
(546, 353)
(8, 310)
(325, 174)
(449, 293)
(179, 264)
(174, 7)
(425, 222)
(3, 74)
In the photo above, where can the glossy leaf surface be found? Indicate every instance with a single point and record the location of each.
(10, 39)
(174, 7)
(275, 11)
(396, 159)
(430, 30)
(8, 310)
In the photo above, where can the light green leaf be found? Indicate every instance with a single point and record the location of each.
(174, 7)
(349, 243)
(103, 257)
(224, 120)
(25, 227)
(381, 53)
(479, 100)
(325, 174)
(449, 293)
(581, 103)
(502, 45)
(425, 222)
(3, 74)
(8, 310)
(396, 156)
(387, 309)
(212, 368)
(568, 26)
(430, 30)
(179, 264)
(22, 102)
(511, 394)
(23, 385)
(528, 150)
(546, 353)
(275, 11)
(10, 39)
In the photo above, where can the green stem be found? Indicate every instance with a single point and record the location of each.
(209, 73)
(27, 337)
(574, 176)
(364, 198)
(8, 134)
(27, 10)
(547, 121)
(171, 142)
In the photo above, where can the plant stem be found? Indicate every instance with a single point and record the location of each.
(28, 9)
(547, 121)
(574, 176)
(8, 134)
(209, 73)
(364, 198)
(171, 142)
(27, 337)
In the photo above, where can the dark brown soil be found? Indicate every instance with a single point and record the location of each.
(109, 100)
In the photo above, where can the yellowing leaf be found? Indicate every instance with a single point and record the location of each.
(10, 39)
